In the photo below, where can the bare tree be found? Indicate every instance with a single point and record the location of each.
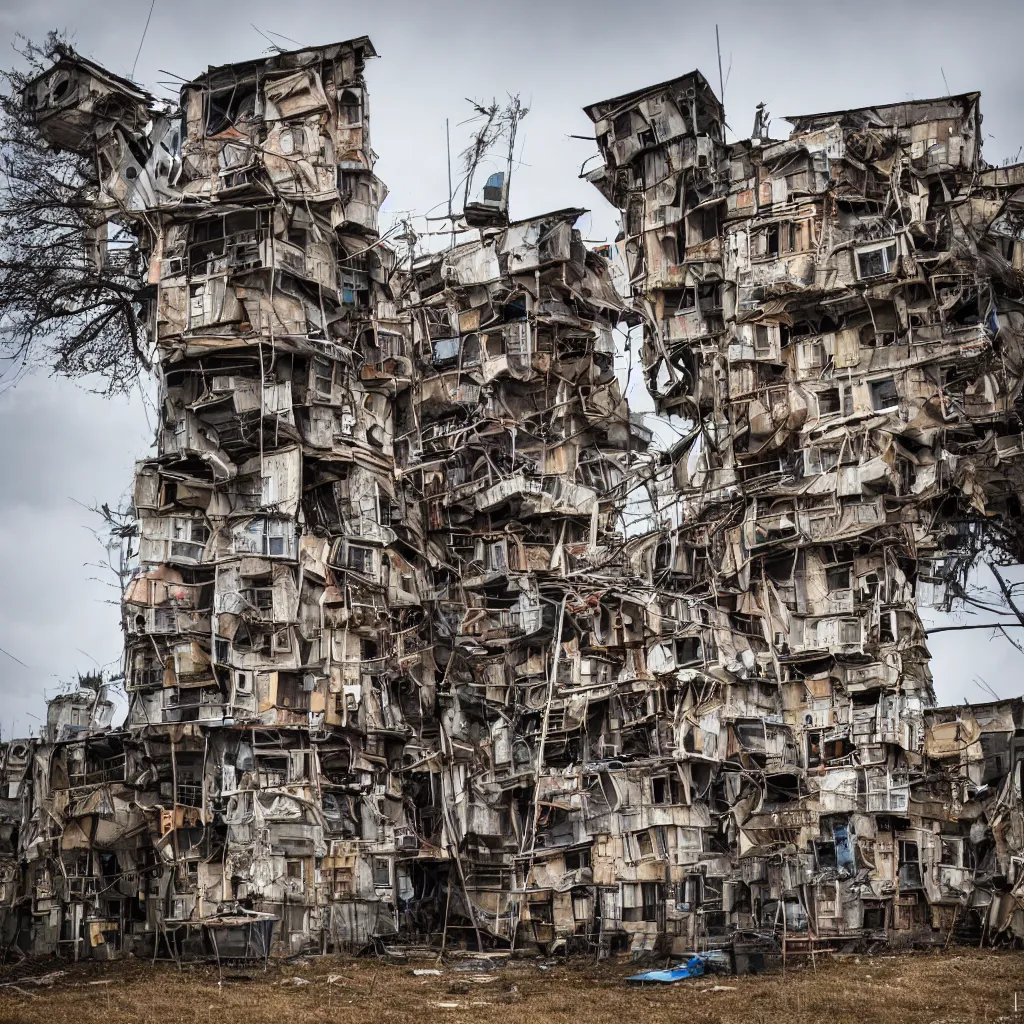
(70, 301)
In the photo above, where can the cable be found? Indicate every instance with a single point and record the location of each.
(143, 39)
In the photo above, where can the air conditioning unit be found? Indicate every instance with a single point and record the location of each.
(407, 844)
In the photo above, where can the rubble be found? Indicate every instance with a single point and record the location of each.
(398, 670)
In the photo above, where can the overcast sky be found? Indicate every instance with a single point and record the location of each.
(64, 449)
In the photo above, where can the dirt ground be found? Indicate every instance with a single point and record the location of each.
(955, 987)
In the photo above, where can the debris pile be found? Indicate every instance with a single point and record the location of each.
(400, 670)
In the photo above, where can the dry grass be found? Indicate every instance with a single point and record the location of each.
(959, 987)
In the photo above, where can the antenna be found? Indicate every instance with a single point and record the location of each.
(721, 84)
(517, 116)
(448, 145)
(944, 82)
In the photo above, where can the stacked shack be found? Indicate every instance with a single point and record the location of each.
(426, 643)
(837, 318)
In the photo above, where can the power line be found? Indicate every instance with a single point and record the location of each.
(143, 39)
(13, 658)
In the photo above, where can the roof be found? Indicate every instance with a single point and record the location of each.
(569, 213)
(638, 94)
(292, 58)
(966, 97)
(65, 56)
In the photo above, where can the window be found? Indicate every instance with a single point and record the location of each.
(710, 296)
(849, 632)
(910, 864)
(291, 693)
(350, 107)
(294, 868)
(874, 916)
(148, 672)
(651, 900)
(814, 754)
(886, 627)
(263, 537)
(575, 860)
(359, 559)
(623, 126)
(828, 401)
(883, 394)
(877, 261)
(811, 355)
(268, 490)
(381, 871)
(323, 377)
(951, 852)
(472, 350)
(260, 600)
(644, 844)
(293, 140)
(188, 538)
(838, 578)
(820, 460)
(762, 341)
(445, 350)
(496, 556)
(230, 106)
(709, 222)
(877, 339)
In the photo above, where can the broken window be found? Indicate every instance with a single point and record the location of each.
(876, 261)
(951, 853)
(230, 106)
(687, 300)
(909, 864)
(623, 126)
(828, 401)
(820, 460)
(576, 860)
(260, 600)
(884, 395)
(359, 558)
(839, 578)
(709, 222)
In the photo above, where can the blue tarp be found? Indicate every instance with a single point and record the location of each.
(693, 968)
